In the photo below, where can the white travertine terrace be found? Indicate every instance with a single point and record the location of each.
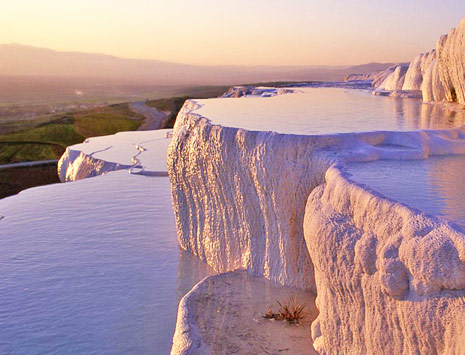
(239, 197)
(376, 78)
(395, 80)
(223, 314)
(417, 70)
(126, 150)
(436, 75)
(255, 91)
(389, 278)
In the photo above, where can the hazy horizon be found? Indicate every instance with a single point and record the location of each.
(259, 32)
(30, 46)
(31, 73)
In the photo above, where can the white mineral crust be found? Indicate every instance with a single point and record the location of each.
(138, 151)
(438, 74)
(395, 80)
(239, 198)
(390, 279)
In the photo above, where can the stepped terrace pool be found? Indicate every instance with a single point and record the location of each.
(328, 110)
(92, 267)
(434, 185)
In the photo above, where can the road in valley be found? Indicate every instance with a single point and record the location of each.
(154, 119)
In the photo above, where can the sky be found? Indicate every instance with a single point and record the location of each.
(236, 32)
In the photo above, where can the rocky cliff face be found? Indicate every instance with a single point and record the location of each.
(451, 63)
(389, 279)
(239, 199)
(438, 75)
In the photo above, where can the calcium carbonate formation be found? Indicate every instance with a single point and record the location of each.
(239, 198)
(126, 150)
(389, 279)
(434, 76)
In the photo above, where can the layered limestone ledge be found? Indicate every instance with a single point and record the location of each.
(239, 196)
(376, 78)
(143, 152)
(389, 278)
(256, 91)
(434, 76)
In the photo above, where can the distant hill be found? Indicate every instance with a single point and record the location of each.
(74, 73)
(22, 60)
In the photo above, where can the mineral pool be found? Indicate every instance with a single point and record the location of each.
(92, 267)
(434, 185)
(328, 110)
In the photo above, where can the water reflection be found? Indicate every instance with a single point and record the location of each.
(190, 271)
(447, 180)
(330, 110)
(92, 267)
(413, 114)
(434, 185)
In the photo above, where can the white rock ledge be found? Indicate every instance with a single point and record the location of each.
(223, 314)
(437, 75)
(255, 91)
(137, 151)
(390, 279)
(386, 276)
(239, 196)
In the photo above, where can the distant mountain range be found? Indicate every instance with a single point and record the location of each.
(20, 60)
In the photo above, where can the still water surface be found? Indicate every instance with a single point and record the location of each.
(92, 267)
(434, 185)
(328, 110)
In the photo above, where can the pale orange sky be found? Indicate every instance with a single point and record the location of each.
(252, 32)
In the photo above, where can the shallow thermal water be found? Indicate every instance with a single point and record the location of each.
(229, 309)
(434, 185)
(92, 267)
(328, 110)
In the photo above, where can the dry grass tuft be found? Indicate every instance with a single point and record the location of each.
(290, 310)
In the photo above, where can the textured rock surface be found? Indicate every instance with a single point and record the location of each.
(395, 80)
(451, 63)
(232, 209)
(416, 71)
(431, 88)
(223, 314)
(142, 152)
(388, 277)
(438, 74)
(239, 196)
